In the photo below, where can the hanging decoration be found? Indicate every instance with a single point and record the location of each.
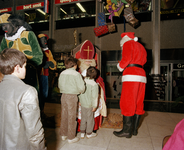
(103, 27)
(130, 18)
(115, 7)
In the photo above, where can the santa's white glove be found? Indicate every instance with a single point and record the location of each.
(119, 68)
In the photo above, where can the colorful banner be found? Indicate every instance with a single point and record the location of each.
(30, 6)
(65, 1)
(5, 10)
(46, 6)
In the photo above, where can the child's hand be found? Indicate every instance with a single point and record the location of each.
(94, 109)
(79, 104)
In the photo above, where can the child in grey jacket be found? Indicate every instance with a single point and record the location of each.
(88, 101)
(20, 125)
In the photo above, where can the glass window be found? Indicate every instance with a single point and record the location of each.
(37, 18)
(76, 10)
(172, 9)
(34, 15)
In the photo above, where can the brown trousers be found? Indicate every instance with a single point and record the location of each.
(87, 120)
(68, 115)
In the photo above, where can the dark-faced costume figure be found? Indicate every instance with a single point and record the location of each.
(134, 56)
(48, 63)
(19, 36)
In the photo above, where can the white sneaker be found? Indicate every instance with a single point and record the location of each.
(91, 135)
(73, 140)
(63, 138)
(82, 135)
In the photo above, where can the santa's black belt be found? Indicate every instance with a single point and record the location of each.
(134, 65)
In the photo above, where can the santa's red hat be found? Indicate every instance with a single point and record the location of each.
(130, 35)
(127, 36)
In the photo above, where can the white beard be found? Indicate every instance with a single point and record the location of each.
(84, 64)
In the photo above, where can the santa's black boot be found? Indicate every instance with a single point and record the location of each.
(136, 120)
(127, 127)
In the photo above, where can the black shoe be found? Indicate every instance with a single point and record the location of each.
(127, 127)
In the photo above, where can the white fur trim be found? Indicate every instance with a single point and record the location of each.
(134, 78)
(136, 39)
(44, 49)
(84, 73)
(119, 68)
(124, 39)
(16, 35)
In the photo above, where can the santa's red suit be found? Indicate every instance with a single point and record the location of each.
(134, 56)
(134, 77)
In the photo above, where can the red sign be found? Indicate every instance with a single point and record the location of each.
(30, 6)
(5, 10)
(65, 1)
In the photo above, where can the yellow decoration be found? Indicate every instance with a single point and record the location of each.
(18, 44)
(41, 35)
(4, 18)
(119, 11)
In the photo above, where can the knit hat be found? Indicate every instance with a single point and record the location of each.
(4, 17)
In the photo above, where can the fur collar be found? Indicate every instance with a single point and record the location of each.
(16, 35)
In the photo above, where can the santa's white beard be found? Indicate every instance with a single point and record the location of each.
(84, 64)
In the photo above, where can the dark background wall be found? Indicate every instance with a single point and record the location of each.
(171, 33)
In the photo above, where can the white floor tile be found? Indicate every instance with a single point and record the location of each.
(177, 117)
(130, 144)
(157, 142)
(159, 118)
(153, 128)
(159, 131)
(76, 146)
(101, 140)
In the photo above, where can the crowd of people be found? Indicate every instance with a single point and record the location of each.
(24, 64)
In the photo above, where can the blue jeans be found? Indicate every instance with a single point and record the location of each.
(44, 88)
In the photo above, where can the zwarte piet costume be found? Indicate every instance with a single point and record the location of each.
(19, 36)
(48, 63)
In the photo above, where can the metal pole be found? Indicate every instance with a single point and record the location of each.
(156, 36)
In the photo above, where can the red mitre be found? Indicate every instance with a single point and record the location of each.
(87, 50)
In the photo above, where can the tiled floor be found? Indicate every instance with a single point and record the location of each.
(154, 127)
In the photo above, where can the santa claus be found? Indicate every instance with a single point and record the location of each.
(134, 56)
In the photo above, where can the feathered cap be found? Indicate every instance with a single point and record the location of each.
(43, 35)
(4, 17)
